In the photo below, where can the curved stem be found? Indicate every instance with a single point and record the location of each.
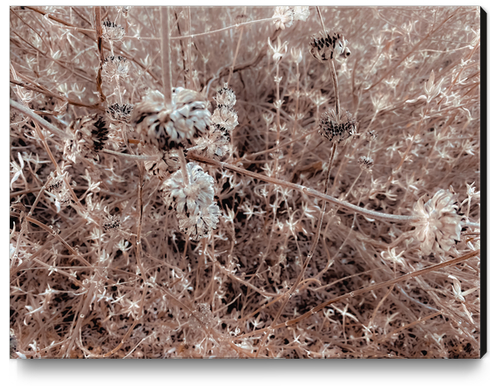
(305, 190)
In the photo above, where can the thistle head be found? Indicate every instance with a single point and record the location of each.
(438, 225)
(366, 163)
(337, 127)
(171, 124)
(325, 47)
(111, 31)
(193, 202)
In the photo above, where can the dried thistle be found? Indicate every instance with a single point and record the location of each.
(115, 67)
(337, 127)
(170, 125)
(120, 113)
(439, 224)
(58, 189)
(194, 202)
(225, 118)
(111, 224)
(366, 163)
(111, 31)
(325, 47)
(89, 135)
(225, 97)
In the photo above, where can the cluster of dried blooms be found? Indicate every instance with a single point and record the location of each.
(182, 213)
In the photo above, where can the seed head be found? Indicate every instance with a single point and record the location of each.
(337, 127)
(120, 113)
(58, 188)
(326, 46)
(371, 135)
(112, 31)
(115, 66)
(439, 224)
(193, 202)
(89, 135)
(111, 224)
(225, 97)
(366, 163)
(225, 118)
(283, 17)
(171, 125)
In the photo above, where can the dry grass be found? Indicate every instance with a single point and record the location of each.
(317, 252)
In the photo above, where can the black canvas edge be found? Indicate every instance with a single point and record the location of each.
(483, 181)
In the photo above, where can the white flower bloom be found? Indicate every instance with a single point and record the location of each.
(438, 226)
(283, 17)
(225, 118)
(196, 211)
(169, 125)
(280, 50)
(391, 255)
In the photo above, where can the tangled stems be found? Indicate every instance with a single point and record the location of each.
(209, 161)
(305, 190)
(361, 291)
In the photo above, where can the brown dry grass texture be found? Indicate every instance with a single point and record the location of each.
(277, 241)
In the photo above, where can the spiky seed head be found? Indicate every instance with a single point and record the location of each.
(325, 47)
(111, 31)
(366, 163)
(89, 134)
(120, 113)
(115, 66)
(225, 97)
(337, 127)
(225, 118)
(111, 224)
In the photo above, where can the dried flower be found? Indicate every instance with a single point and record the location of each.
(89, 135)
(159, 168)
(225, 118)
(297, 55)
(216, 143)
(174, 124)
(366, 163)
(283, 17)
(337, 127)
(225, 97)
(196, 211)
(58, 189)
(112, 31)
(111, 224)
(326, 46)
(439, 224)
(391, 255)
(120, 113)
(115, 67)
(280, 50)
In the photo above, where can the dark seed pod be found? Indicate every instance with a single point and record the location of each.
(337, 127)
(326, 46)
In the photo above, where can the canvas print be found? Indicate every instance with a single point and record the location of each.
(245, 182)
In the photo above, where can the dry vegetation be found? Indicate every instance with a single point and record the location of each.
(283, 200)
